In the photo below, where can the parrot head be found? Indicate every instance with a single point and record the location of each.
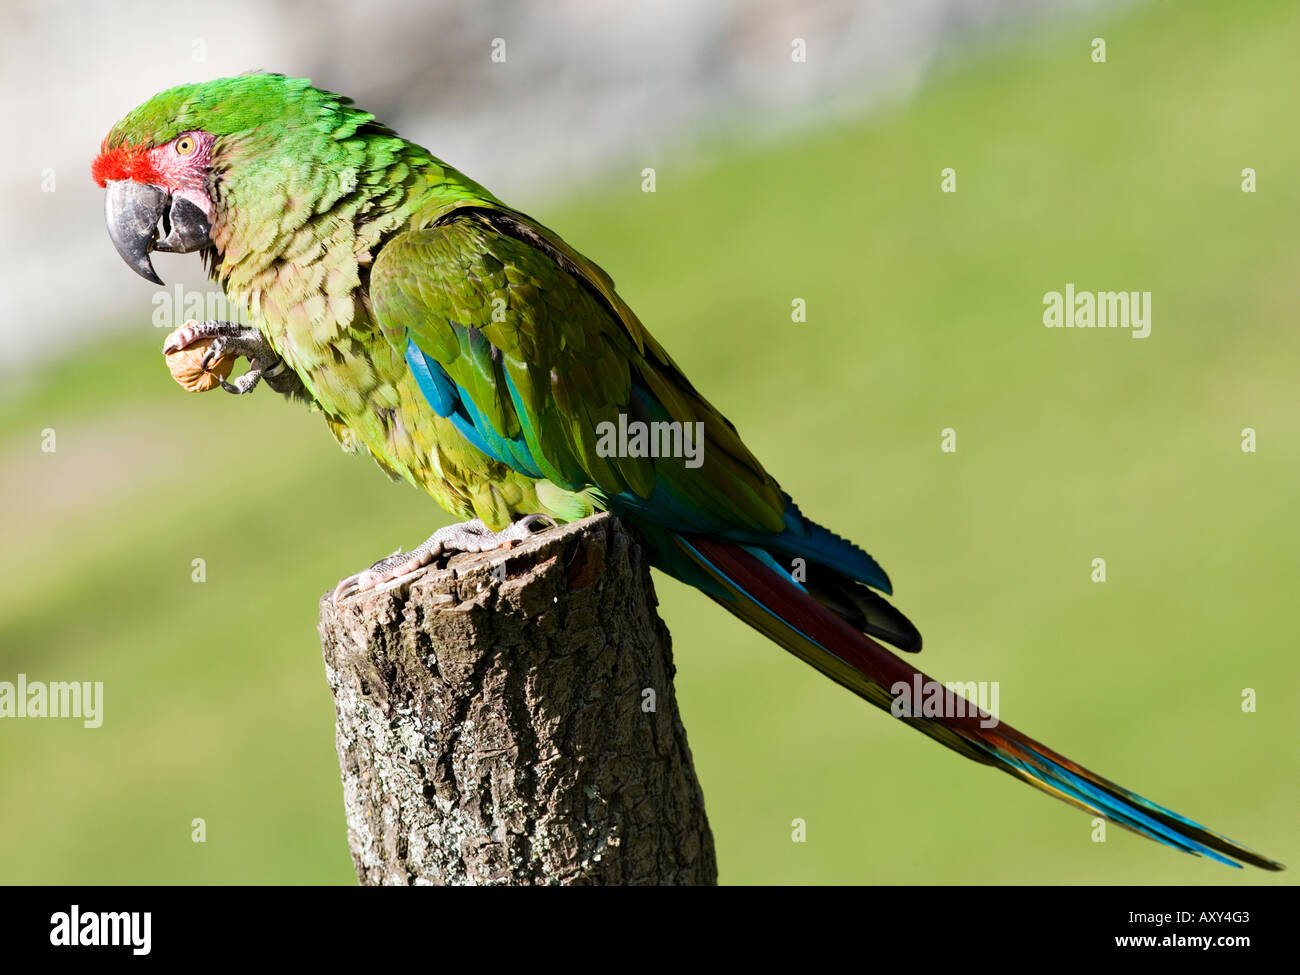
(160, 197)
(164, 164)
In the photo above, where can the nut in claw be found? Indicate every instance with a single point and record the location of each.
(186, 365)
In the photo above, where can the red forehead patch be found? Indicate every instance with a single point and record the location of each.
(124, 162)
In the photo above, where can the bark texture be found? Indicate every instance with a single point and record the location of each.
(510, 719)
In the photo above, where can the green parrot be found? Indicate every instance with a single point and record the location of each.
(476, 355)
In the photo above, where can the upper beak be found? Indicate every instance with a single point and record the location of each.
(133, 212)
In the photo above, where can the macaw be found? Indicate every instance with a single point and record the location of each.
(476, 355)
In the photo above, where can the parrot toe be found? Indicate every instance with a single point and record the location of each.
(470, 536)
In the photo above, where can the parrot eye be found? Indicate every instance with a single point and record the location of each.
(185, 145)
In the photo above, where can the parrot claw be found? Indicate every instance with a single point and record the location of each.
(231, 338)
(401, 567)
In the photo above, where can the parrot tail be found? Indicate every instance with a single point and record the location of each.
(815, 625)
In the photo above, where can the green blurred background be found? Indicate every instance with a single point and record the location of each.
(924, 312)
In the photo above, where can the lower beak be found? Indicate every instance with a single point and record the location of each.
(134, 212)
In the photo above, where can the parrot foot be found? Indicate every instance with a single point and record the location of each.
(469, 536)
(230, 338)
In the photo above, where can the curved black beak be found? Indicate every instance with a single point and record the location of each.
(134, 212)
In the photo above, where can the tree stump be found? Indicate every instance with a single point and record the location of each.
(510, 719)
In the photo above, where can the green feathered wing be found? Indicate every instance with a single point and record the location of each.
(541, 353)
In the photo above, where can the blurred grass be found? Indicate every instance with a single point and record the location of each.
(924, 312)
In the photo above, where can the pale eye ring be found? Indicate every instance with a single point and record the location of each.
(186, 145)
